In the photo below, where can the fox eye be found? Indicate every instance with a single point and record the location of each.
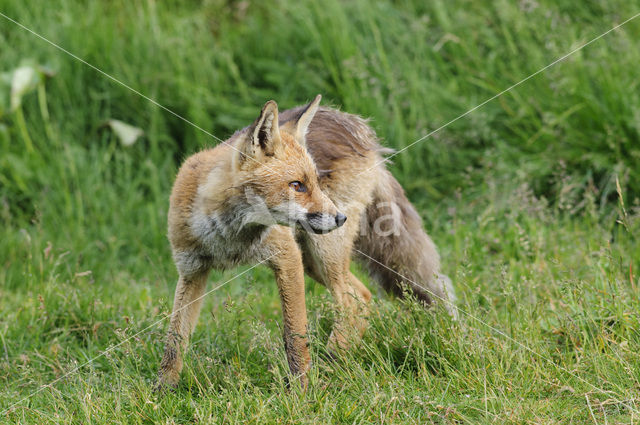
(298, 186)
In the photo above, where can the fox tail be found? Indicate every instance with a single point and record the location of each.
(397, 251)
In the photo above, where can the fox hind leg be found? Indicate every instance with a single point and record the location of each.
(327, 261)
(353, 300)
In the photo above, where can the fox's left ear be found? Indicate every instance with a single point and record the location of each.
(302, 125)
(263, 137)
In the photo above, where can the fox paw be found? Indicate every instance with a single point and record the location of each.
(167, 382)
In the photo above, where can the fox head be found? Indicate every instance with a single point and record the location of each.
(274, 166)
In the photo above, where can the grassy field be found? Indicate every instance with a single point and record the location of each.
(533, 200)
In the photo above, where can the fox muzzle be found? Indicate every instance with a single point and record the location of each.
(322, 222)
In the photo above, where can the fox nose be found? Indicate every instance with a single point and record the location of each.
(340, 219)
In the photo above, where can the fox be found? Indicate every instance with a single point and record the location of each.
(301, 191)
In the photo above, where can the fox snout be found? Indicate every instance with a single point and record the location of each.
(323, 223)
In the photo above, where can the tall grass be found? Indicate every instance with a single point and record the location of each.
(520, 196)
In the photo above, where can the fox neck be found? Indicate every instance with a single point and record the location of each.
(243, 216)
(226, 232)
(230, 217)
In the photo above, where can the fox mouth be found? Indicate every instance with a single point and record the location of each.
(304, 224)
(320, 223)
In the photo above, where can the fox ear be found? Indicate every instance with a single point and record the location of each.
(264, 134)
(305, 119)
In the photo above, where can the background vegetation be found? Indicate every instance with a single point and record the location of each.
(520, 196)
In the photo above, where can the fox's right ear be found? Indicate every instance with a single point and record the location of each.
(263, 136)
(302, 125)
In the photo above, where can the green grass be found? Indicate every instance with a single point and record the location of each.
(520, 197)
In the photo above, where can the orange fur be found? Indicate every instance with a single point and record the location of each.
(242, 202)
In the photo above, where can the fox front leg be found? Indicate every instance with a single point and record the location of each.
(186, 309)
(286, 263)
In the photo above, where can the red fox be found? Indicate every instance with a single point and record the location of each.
(301, 191)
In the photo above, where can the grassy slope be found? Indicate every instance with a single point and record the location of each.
(520, 196)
